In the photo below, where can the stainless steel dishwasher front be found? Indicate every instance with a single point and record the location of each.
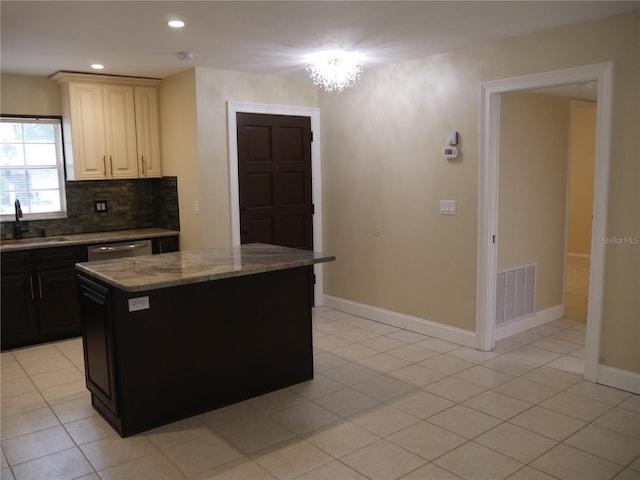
(108, 251)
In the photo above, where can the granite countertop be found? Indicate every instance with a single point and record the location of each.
(150, 272)
(84, 239)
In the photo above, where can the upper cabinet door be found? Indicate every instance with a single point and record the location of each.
(120, 128)
(87, 117)
(147, 132)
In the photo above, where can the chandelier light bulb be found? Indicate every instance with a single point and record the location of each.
(334, 70)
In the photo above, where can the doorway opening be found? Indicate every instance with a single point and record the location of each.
(580, 205)
(488, 232)
(546, 165)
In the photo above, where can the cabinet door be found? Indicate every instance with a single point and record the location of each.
(87, 134)
(147, 132)
(58, 308)
(120, 131)
(19, 320)
(97, 335)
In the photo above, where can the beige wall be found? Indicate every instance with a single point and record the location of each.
(29, 95)
(582, 164)
(214, 88)
(382, 168)
(534, 147)
(179, 145)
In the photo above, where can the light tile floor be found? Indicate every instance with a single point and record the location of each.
(385, 403)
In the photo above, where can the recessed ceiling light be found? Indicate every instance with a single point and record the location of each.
(97, 66)
(176, 23)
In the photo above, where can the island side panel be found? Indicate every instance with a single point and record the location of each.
(206, 345)
(99, 349)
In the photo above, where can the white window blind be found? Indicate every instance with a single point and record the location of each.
(31, 167)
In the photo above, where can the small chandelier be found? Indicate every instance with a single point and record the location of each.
(334, 70)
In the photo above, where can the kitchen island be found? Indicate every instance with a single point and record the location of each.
(174, 335)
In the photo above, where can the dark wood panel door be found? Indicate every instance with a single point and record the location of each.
(274, 173)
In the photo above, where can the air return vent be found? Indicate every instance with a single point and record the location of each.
(515, 292)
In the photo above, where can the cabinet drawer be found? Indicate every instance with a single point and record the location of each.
(58, 257)
(16, 262)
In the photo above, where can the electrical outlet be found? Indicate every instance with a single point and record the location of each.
(138, 303)
(100, 206)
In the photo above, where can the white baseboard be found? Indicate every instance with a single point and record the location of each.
(538, 318)
(400, 320)
(579, 255)
(616, 378)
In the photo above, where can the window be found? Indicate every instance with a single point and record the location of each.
(31, 167)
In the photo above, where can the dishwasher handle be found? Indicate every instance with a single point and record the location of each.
(118, 248)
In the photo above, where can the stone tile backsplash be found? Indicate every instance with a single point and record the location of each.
(139, 203)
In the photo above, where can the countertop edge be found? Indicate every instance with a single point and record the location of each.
(200, 277)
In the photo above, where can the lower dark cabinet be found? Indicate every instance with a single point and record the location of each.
(19, 313)
(40, 296)
(40, 292)
(166, 244)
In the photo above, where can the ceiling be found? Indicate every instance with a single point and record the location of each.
(132, 37)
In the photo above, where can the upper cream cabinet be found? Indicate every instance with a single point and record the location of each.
(147, 131)
(110, 125)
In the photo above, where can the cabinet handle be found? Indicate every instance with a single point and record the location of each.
(33, 297)
(111, 165)
(40, 286)
(104, 165)
(144, 173)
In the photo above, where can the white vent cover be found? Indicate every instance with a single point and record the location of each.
(515, 293)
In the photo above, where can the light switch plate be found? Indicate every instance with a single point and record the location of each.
(100, 206)
(448, 207)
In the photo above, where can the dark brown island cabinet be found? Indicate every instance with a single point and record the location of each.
(170, 336)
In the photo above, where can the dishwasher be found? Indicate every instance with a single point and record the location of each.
(108, 251)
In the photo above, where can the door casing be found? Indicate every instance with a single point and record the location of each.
(488, 186)
(316, 172)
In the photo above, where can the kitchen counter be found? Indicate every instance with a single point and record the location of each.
(31, 243)
(134, 274)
